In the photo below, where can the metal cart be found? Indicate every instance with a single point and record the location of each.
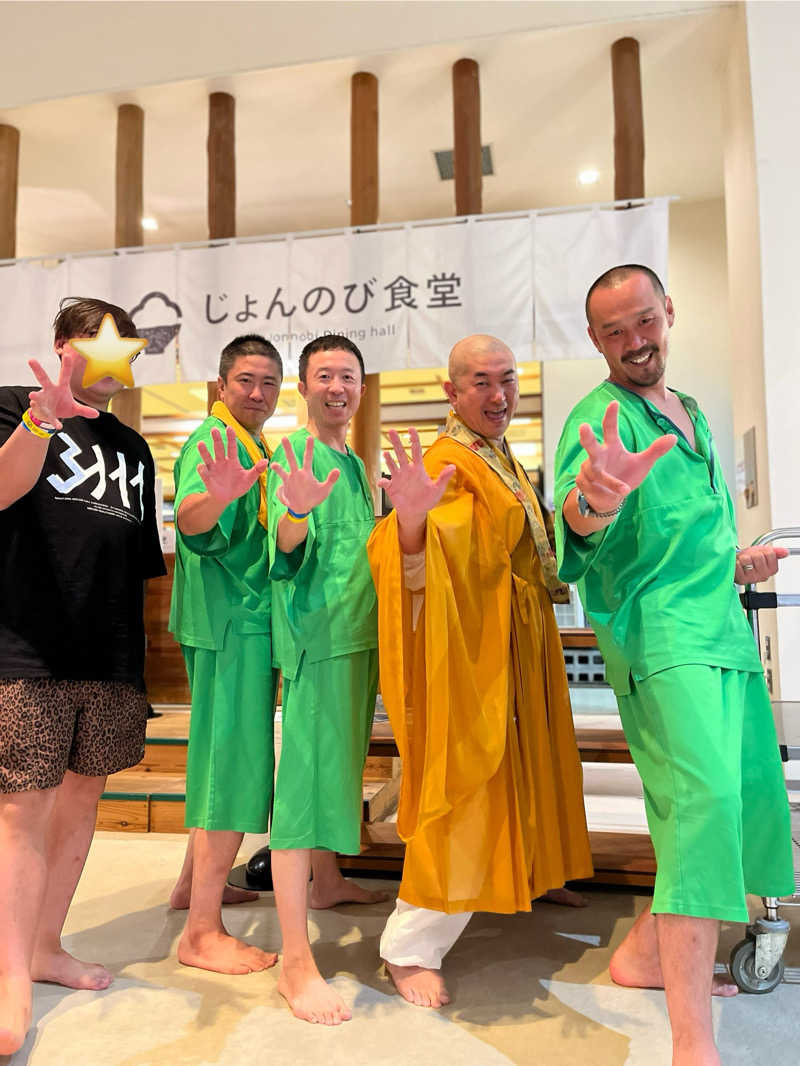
(756, 962)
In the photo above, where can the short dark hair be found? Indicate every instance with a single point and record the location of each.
(247, 344)
(81, 317)
(331, 342)
(617, 274)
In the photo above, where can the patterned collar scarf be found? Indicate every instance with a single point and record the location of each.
(515, 479)
(220, 411)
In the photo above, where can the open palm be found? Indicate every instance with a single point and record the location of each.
(222, 474)
(300, 491)
(410, 489)
(54, 400)
(610, 471)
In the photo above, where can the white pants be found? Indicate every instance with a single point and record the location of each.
(415, 936)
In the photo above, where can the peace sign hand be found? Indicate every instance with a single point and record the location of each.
(610, 472)
(54, 400)
(409, 488)
(300, 491)
(223, 475)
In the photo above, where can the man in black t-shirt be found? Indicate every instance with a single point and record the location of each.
(78, 538)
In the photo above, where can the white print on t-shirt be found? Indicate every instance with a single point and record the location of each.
(81, 474)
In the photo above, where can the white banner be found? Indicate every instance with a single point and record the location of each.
(405, 294)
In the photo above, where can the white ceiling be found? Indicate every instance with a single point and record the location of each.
(546, 106)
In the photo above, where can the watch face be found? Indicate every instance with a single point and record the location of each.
(583, 504)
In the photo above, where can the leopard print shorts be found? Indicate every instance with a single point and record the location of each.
(48, 727)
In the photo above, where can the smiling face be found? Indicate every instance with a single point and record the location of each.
(484, 387)
(333, 388)
(251, 390)
(629, 325)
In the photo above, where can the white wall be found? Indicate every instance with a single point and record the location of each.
(699, 361)
(773, 30)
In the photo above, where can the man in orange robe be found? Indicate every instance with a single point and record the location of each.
(472, 675)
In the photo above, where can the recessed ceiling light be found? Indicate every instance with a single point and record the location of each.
(149, 223)
(588, 177)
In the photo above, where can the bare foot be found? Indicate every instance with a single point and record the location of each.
(423, 988)
(342, 891)
(15, 1013)
(635, 973)
(564, 897)
(222, 953)
(181, 895)
(311, 998)
(61, 968)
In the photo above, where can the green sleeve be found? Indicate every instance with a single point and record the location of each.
(216, 541)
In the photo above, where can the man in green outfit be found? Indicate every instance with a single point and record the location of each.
(221, 618)
(325, 636)
(645, 526)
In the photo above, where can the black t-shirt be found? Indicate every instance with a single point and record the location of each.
(75, 551)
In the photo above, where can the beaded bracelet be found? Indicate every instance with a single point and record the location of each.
(38, 429)
(294, 517)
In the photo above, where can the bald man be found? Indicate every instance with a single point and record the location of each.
(491, 807)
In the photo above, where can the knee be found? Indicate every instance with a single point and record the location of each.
(82, 789)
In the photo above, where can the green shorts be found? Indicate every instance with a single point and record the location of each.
(231, 762)
(325, 730)
(703, 739)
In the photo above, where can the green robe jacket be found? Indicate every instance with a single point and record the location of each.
(323, 598)
(221, 577)
(656, 584)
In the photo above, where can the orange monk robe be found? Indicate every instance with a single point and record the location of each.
(491, 803)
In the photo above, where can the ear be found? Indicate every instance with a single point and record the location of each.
(302, 388)
(363, 389)
(450, 391)
(220, 385)
(670, 310)
(593, 338)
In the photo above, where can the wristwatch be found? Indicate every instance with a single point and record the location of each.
(587, 511)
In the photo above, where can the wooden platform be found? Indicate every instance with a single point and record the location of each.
(151, 798)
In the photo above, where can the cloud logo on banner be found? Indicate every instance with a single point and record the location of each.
(161, 333)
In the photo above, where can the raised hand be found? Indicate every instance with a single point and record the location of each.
(409, 488)
(610, 471)
(223, 475)
(54, 400)
(300, 491)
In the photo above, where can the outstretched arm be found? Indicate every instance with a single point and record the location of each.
(225, 480)
(411, 491)
(609, 472)
(300, 491)
(23, 454)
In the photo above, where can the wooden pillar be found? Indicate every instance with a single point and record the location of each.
(366, 425)
(9, 180)
(127, 405)
(467, 159)
(221, 178)
(130, 177)
(628, 120)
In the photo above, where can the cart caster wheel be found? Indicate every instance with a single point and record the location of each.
(743, 968)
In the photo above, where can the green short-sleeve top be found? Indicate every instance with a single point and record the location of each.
(656, 584)
(323, 598)
(221, 576)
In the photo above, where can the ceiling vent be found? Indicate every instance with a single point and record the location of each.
(444, 162)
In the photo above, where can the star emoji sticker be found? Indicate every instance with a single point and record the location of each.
(107, 354)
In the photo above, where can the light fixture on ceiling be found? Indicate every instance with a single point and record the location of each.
(588, 176)
(149, 223)
(446, 165)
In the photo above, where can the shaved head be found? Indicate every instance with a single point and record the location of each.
(465, 352)
(483, 388)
